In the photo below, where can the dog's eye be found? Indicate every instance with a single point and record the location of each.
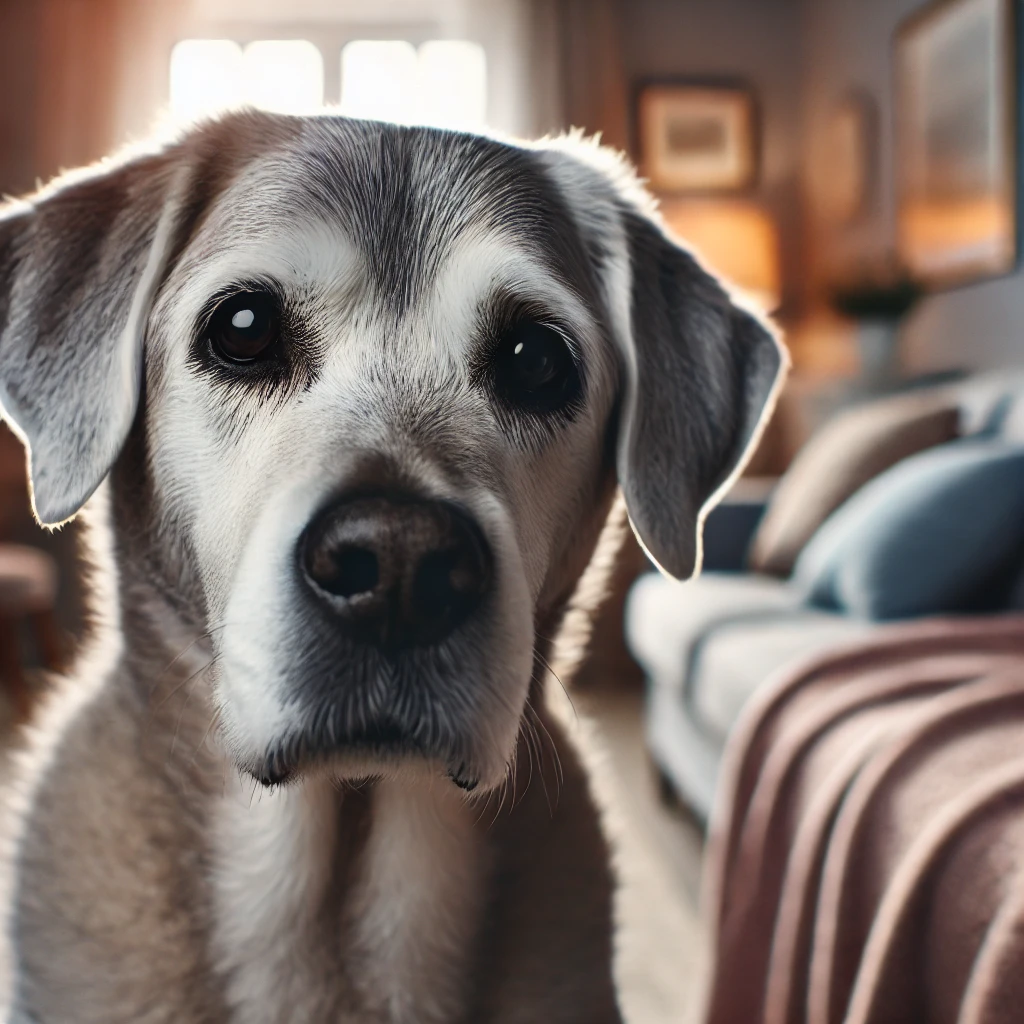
(534, 368)
(244, 327)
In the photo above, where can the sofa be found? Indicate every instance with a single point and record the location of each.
(901, 508)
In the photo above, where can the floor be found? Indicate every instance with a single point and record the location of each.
(662, 961)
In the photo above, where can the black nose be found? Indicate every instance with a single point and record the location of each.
(397, 572)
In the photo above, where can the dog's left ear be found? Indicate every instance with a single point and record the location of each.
(79, 263)
(700, 374)
(701, 380)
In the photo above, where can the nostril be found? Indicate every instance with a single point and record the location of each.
(437, 581)
(447, 584)
(351, 571)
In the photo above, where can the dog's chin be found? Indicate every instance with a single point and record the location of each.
(421, 714)
(383, 751)
(357, 767)
(352, 768)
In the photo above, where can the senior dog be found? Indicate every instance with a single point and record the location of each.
(359, 397)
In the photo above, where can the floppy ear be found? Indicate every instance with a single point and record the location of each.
(701, 380)
(79, 264)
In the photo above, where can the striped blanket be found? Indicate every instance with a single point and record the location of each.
(866, 859)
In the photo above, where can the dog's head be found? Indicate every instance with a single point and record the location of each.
(365, 391)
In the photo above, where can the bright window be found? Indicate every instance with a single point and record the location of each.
(284, 75)
(444, 83)
(452, 84)
(378, 79)
(211, 74)
(206, 75)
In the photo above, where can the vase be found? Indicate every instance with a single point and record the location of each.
(877, 347)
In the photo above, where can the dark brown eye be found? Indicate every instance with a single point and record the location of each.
(534, 369)
(244, 327)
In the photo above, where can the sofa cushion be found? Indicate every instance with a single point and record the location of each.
(851, 450)
(665, 619)
(930, 535)
(738, 657)
(991, 403)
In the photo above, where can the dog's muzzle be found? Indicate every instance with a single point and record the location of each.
(395, 571)
(400, 596)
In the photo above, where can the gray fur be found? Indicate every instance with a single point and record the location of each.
(705, 372)
(138, 890)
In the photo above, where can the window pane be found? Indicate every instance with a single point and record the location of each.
(378, 80)
(206, 75)
(284, 75)
(452, 84)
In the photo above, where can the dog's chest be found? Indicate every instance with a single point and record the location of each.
(330, 907)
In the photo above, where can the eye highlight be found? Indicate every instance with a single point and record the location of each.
(534, 369)
(245, 327)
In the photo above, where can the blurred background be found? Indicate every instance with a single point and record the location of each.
(850, 165)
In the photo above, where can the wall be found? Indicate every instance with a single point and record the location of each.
(757, 41)
(18, 56)
(77, 78)
(848, 44)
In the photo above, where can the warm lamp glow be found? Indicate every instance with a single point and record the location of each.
(972, 230)
(735, 239)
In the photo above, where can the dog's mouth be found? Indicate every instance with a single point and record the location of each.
(348, 711)
(368, 751)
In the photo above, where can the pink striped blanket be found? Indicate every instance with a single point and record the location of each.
(866, 861)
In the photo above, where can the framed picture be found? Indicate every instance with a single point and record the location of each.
(696, 138)
(956, 140)
(851, 157)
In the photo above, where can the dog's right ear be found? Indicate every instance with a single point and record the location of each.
(79, 263)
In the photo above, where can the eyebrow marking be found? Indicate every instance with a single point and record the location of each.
(409, 195)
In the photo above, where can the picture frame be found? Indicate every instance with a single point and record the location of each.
(697, 138)
(956, 141)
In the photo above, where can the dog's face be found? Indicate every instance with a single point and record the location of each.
(365, 390)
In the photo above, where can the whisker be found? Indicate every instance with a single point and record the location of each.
(188, 696)
(508, 788)
(547, 665)
(556, 759)
(184, 682)
(214, 721)
(538, 746)
(205, 635)
(529, 778)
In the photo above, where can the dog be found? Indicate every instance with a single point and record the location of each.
(350, 403)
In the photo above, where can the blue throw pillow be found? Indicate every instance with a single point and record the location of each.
(922, 538)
